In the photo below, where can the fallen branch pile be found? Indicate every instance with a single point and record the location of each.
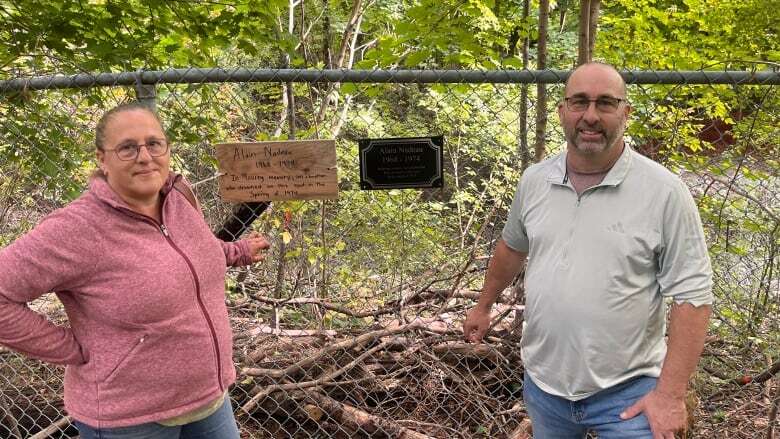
(402, 380)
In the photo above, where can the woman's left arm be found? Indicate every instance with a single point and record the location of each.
(239, 253)
(246, 251)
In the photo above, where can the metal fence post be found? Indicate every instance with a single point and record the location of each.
(146, 94)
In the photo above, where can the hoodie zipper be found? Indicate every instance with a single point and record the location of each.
(165, 233)
(164, 230)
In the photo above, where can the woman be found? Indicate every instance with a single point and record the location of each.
(141, 277)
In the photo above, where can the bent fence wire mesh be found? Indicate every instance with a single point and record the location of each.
(351, 325)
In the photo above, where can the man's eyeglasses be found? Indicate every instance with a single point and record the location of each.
(129, 151)
(604, 104)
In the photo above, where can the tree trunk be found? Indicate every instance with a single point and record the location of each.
(593, 26)
(352, 27)
(497, 12)
(303, 36)
(290, 93)
(339, 118)
(562, 17)
(290, 109)
(355, 17)
(541, 93)
(326, 56)
(588, 25)
(283, 113)
(289, 88)
(584, 28)
(524, 152)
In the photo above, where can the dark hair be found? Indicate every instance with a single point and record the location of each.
(100, 129)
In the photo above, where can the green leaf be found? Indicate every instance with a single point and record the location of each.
(514, 62)
(417, 57)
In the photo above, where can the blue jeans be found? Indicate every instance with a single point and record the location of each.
(220, 425)
(553, 417)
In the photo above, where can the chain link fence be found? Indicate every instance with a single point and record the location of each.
(352, 326)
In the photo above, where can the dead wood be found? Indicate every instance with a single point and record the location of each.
(401, 376)
(773, 413)
(269, 330)
(297, 301)
(8, 418)
(459, 350)
(459, 294)
(300, 367)
(762, 377)
(313, 383)
(55, 427)
(357, 419)
(523, 431)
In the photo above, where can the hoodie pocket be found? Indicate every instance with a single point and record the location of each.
(122, 362)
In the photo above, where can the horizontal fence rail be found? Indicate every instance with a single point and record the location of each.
(214, 75)
(351, 326)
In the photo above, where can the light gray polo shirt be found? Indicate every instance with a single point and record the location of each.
(599, 267)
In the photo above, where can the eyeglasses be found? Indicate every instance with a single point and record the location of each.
(604, 104)
(129, 151)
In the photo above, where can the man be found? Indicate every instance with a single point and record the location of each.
(609, 235)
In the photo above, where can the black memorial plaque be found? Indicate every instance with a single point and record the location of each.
(403, 163)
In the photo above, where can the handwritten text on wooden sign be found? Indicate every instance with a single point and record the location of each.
(280, 170)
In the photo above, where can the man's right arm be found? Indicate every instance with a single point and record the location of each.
(504, 266)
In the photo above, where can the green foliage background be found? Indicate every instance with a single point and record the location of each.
(378, 245)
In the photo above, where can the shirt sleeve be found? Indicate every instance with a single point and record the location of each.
(514, 233)
(42, 261)
(237, 253)
(685, 273)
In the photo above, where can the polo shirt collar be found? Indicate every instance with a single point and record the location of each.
(614, 177)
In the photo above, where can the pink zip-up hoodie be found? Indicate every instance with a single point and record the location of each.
(150, 337)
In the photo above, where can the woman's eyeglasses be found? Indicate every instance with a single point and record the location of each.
(129, 151)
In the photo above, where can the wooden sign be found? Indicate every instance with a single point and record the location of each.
(280, 170)
(413, 162)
